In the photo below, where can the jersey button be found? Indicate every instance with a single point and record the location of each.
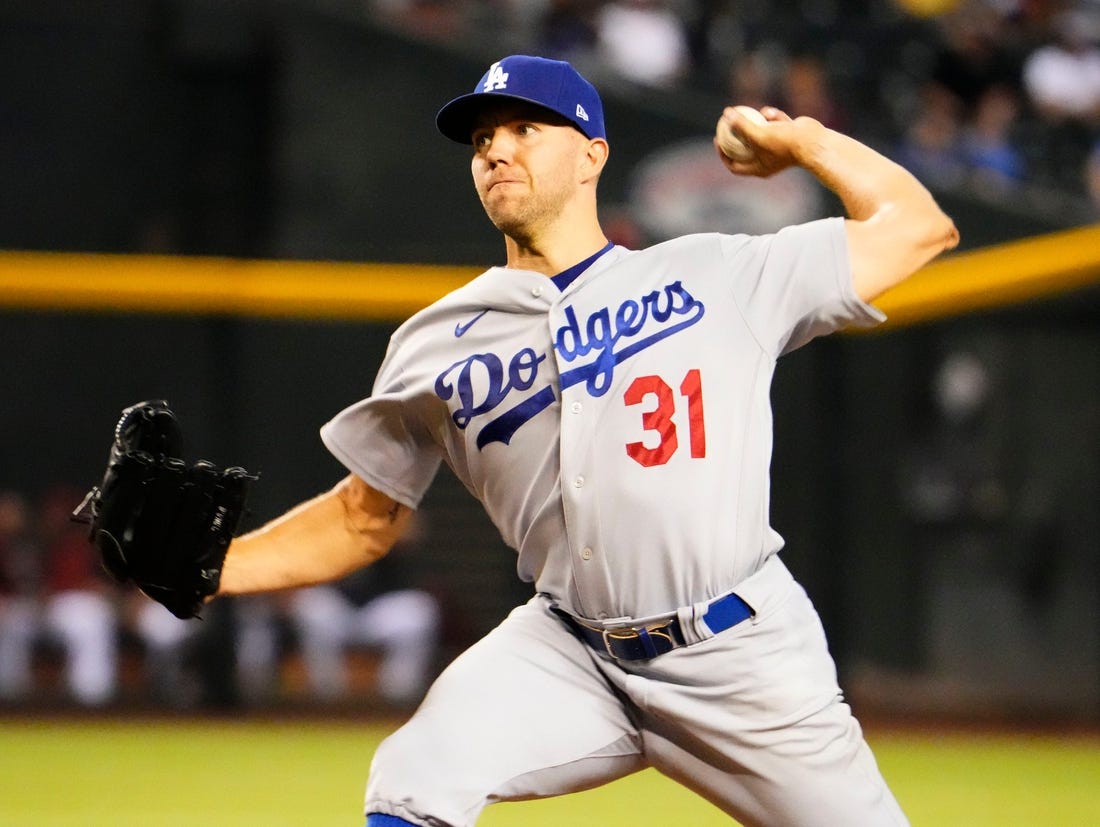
(586, 553)
(576, 407)
(578, 482)
(536, 292)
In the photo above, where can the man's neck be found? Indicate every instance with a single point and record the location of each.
(551, 257)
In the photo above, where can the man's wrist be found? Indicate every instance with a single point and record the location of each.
(811, 148)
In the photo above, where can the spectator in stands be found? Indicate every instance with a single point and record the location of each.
(258, 646)
(80, 601)
(972, 56)
(754, 77)
(1062, 82)
(994, 162)
(804, 90)
(1062, 77)
(931, 147)
(362, 611)
(717, 31)
(376, 609)
(644, 41)
(19, 584)
(568, 30)
(167, 643)
(955, 496)
(228, 658)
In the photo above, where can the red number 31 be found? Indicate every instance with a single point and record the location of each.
(659, 419)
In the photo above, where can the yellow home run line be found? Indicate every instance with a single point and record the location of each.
(171, 284)
(991, 277)
(995, 276)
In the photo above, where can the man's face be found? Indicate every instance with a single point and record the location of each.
(525, 166)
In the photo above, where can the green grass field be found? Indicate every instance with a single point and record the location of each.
(229, 773)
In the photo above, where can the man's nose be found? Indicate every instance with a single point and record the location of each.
(501, 146)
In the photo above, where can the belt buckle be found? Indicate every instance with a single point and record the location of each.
(607, 636)
(662, 630)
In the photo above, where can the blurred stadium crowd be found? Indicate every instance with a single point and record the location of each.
(71, 636)
(989, 96)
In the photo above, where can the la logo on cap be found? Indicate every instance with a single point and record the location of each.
(498, 78)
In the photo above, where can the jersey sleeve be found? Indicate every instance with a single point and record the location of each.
(381, 439)
(796, 284)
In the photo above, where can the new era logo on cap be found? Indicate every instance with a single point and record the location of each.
(551, 84)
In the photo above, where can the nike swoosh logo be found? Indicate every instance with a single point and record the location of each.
(460, 328)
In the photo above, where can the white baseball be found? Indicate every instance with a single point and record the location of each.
(728, 141)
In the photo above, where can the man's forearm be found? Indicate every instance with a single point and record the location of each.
(861, 177)
(895, 225)
(320, 540)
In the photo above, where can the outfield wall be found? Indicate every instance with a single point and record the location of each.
(255, 355)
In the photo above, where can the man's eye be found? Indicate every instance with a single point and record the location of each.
(527, 129)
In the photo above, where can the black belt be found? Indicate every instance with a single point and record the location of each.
(644, 642)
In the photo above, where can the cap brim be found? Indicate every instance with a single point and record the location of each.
(456, 119)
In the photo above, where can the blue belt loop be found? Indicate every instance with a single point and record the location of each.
(726, 612)
(647, 643)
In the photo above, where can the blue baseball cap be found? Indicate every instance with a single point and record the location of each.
(551, 84)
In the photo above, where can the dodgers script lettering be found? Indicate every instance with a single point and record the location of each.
(482, 382)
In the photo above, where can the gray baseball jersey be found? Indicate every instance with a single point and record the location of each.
(618, 433)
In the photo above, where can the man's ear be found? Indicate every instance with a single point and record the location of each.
(595, 158)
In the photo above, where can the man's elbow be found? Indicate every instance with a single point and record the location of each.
(372, 520)
(943, 234)
(918, 230)
(894, 244)
(935, 233)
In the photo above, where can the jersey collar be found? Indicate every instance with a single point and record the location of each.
(570, 274)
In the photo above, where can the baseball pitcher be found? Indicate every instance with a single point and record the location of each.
(609, 408)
